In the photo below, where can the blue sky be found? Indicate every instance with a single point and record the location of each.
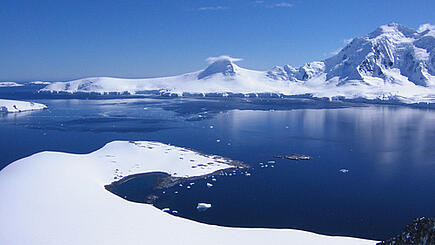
(63, 40)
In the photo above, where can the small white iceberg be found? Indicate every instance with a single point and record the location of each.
(166, 210)
(209, 185)
(343, 170)
(203, 206)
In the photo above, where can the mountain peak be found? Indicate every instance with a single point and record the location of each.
(222, 64)
(392, 29)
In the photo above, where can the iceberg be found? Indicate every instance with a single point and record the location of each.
(203, 206)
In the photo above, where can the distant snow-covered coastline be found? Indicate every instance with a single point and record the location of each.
(50, 197)
(10, 84)
(393, 63)
(12, 106)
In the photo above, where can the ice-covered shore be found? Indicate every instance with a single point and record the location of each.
(59, 198)
(19, 106)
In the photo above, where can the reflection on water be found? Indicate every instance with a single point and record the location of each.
(384, 131)
(388, 151)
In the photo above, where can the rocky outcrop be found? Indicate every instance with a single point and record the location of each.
(421, 232)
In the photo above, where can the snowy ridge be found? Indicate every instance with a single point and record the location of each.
(40, 83)
(19, 106)
(50, 197)
(392, 63)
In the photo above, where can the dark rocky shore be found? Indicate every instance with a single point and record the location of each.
(421, 232)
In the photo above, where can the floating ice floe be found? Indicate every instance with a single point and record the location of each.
(209, 185)
(203, 206)
(166, 209)
(343, 170)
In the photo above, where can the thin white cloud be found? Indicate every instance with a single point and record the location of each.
(211, 60)
(274, 5)
(211, 8)
(283, 5)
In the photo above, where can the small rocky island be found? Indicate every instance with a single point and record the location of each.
(421, 231)
(294, 157)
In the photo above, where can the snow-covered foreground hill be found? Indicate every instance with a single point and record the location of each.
(392, 63)
(19, 106)
(53, 198)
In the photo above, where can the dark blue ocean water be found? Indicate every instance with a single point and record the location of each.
(388, 150)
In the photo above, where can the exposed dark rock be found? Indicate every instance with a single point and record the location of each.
(150, 199)
(421, 232)
(295, 157)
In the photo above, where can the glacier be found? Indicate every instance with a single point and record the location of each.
(392, 63)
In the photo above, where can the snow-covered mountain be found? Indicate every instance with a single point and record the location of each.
(391, 54)
(221, 76)
(392, 63)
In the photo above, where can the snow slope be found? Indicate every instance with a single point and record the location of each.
(392, 63)
(19, 106)
(53, 198)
